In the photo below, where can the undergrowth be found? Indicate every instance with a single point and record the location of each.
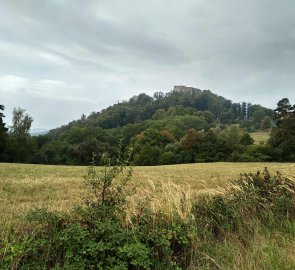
(255, 216)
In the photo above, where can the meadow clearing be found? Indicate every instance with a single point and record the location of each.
(260, 136)
(24, 187)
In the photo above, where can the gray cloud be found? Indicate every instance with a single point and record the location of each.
(62, 58)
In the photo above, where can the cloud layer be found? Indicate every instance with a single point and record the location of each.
(63, 58)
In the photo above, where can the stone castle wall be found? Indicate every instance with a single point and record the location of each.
(186, 89)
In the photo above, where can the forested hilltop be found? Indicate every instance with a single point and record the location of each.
(180, 101)
(182, 126)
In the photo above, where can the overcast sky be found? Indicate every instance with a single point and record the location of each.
(62, 58)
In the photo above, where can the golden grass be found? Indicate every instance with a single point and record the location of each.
(24, 187)
(260, 136)
(169, 189)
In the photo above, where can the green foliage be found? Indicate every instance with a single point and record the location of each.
(153, 147)
(21, 123)
(20, 144)
(54, 152)
(232, 136)
(159, 114)
(246, 139)
(252, 153)
(282, 138)
(254, 198)
(266, 123)
(268, 197)
(149, 145)
(175, 113)
(214, 147)
(148, 155)
(3, 134)
(192, 140)
(217, 215)
(109, 187)
(284, 109)
(258, 117)
(168, 158)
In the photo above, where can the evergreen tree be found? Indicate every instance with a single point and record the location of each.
(244, 110)
(3, 134)
(284, 108)
(282, 138)
(249, 112)
(246, 139)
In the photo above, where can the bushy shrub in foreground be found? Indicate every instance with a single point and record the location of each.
(262, 197)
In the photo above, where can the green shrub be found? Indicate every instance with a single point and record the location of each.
(267, 195)
(216, 216)
(262, 197)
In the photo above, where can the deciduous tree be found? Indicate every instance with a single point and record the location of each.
(21, 144)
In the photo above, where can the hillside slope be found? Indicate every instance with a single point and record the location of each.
(170, 116)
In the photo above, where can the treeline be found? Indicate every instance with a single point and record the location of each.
(143, 107)
(177, 127)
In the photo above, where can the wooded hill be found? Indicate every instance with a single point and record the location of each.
(178, 102)
(184, 125)
(167, 117)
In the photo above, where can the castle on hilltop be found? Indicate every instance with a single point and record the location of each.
(186, 89)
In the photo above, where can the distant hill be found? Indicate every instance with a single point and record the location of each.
(180, 101)
(38, 131)
(162, 129)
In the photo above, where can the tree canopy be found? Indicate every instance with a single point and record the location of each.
(176, 127)
(3, 134)
(282, 138)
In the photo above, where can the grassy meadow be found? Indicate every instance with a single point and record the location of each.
(260, 136)
(25, 187)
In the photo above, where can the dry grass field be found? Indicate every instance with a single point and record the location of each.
(260, 136)
(24, 187)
